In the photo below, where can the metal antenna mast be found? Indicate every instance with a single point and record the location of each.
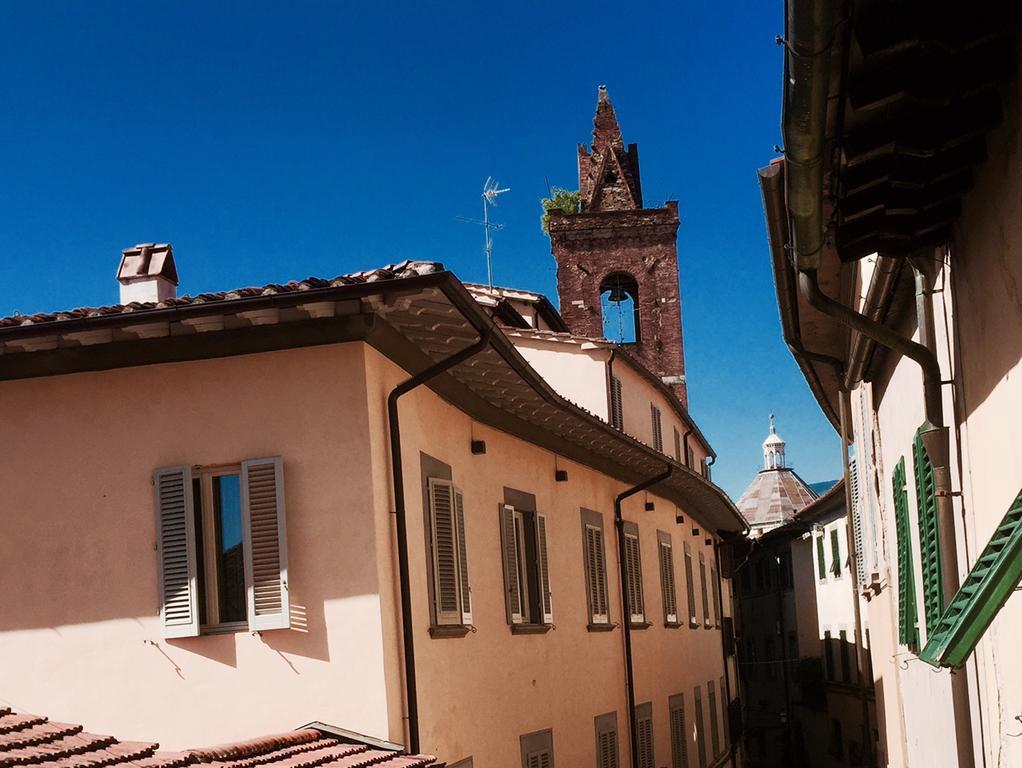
(490, 191)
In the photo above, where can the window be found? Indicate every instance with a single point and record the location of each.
(667, 584)
(616, 416)
(619, 306)
(452, 598)
(828, 655)
(677, 445)
(606, 741)
(929, 534)
(716, 596)
(526, 568)
(594, 558)
(690, 586)
(711, 694)
(835, 553)
(702, 581)
(644, 734)
(679, 736)
(700, 732)
(658, 432)
(222, 547)
(633, 572)
(908, 629)
(821, 558)
(538, 749)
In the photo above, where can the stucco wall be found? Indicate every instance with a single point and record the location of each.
(79, 632)
(479, 693)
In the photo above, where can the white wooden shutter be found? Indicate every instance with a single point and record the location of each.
(667, 582)
(510, 562)
(466, 589)
(446, 581)
(175, 548)
(265, 541)
(546, 599)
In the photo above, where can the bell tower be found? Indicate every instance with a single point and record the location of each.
(617, 262)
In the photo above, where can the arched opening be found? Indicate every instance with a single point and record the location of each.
(619, 307)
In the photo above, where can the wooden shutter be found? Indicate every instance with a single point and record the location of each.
(929, 535)
(265, 542)
(633, 566)
(908, 630)
(509, 557)
(821, 557)
(175, 548)
(716, 596)
(677, 446)
(466, 588)
(543, 568)
(700, 733)
(667, 582)
(644, 734)
(711, 692)
(679, 738)
(702, 582)
(595, 567)
(658, 434)
(606, 741)
(690, 585)
(724, 706)
(446, 578)
(616, 416)
(855, 468)
(538, 750)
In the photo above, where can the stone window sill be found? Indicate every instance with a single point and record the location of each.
(450, 630)
(530, 629)
(639, 625)
(601, 627)
(672, 624)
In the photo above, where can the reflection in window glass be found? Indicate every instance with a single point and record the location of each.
(230, 564)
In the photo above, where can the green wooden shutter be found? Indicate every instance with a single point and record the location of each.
(821, 557)
(984, 592)
(908, 631)
(835, 553)
(929, 534)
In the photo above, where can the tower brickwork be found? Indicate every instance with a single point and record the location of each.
(616, 249)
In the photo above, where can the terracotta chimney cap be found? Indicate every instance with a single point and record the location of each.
(148, 260)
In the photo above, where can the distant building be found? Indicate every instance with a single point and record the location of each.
(777, 493)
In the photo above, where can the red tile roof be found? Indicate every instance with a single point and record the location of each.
(29, 740)
(390, 272)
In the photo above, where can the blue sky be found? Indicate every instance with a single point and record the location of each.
(272, 141)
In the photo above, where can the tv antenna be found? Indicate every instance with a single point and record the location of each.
(490, 191)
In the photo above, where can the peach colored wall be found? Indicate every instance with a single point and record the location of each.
(479, 693)
(576, 374)
(79, 634)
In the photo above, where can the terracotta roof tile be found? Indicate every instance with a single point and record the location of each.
(30, 740)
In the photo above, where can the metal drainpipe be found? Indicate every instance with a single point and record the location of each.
(844, 404)
(626, 608)
(411, 692)
(935, 439)
(685, 448)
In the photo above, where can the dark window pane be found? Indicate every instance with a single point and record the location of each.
(200, 550)
(230, 559)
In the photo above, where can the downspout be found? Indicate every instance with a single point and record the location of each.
(626, 608)
(685, 447)
(710, 461)
(844, 403)
(411, 691)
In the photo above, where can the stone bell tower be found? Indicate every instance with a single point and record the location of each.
(617, 262)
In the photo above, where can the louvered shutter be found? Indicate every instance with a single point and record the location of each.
(714, 727)
(265, 542)
(616, 416)
(908, 629)
(466, 587)
(821, 557)
(595, 568)
(700, 734)
(175, 548)
(702, 582)
(633, 565)
(679, 738)
(543, 566)
(858, 526)
(716, 596)
(929, 535)
(509, 558)
(608, 749)
(446, 579)
(690, 585)
(667, 581)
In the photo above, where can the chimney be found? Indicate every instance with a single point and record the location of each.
(147, 273)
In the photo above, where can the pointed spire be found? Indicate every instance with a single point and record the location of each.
(773, 448)
(606, 131)
(773, 429)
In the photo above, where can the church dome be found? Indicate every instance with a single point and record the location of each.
(777, 493)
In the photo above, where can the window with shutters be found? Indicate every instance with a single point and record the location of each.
(679, 735)
(856, 521)
(633, 575)
(702, 583)
(908, 629)
(527, 597)
(716, 596)
(835, 553)
(452, 594)
(222, 548)
(677, 445)
(594, 560)
(711, 695)
(538, 749)
(929, 534)
(657, 427)
(700, 732)
(616, 415)
(668, 588)
(690, 587)
(644, 734)
(606, 741)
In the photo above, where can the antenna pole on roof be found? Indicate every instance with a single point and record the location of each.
(490, 191)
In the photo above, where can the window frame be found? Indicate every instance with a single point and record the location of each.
(209, 583)
(529, 550)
